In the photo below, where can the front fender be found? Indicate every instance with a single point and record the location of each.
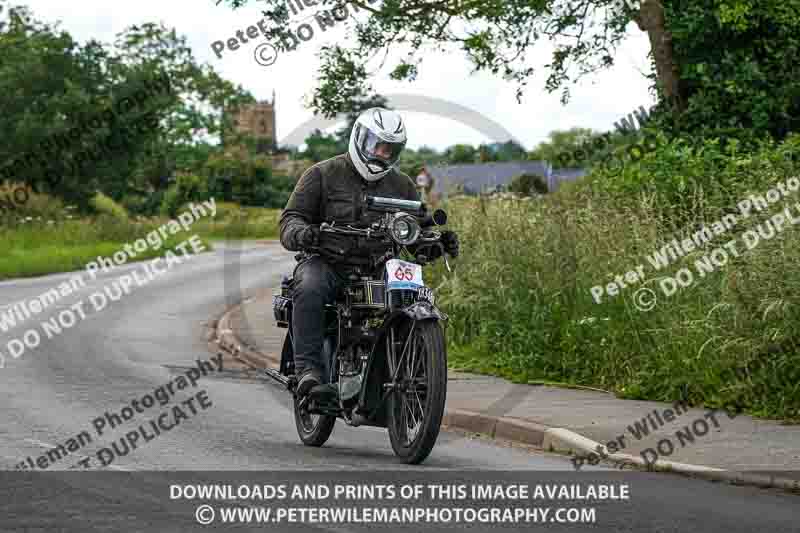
(377, 371)
(418, 311)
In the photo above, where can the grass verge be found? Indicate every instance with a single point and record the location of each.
(235, 222)
(50, 239)
(520, 304)
(36, 248)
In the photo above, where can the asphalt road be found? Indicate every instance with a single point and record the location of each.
(154, 336)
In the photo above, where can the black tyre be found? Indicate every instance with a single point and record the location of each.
(416, 405)
(314, 430)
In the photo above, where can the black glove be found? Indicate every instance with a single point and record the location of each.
(330, 246)
(450, 242)
(334, 247)
(309, 237)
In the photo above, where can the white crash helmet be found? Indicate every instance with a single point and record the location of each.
(377, 139)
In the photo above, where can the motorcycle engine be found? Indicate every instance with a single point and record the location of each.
(351, 363)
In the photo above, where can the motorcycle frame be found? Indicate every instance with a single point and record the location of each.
(376, 385)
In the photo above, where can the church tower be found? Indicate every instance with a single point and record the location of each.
(258, 121)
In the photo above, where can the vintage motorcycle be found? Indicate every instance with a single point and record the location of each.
(384, 342)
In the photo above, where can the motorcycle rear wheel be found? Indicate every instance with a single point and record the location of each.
(416, 406)
(313, 430)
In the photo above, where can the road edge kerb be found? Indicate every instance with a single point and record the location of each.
(521, 431)
(227, 340)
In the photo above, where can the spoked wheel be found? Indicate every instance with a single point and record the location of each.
(416, 404)
(313, 430)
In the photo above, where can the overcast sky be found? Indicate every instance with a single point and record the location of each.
(596, 103)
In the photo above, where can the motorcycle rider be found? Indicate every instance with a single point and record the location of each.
(334, 191)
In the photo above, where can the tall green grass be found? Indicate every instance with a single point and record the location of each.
(38, 247)
(42, 236)
(235, 222)
(520, 303)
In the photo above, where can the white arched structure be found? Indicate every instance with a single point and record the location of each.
(413, 102)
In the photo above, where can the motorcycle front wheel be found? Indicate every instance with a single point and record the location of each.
(416, 402)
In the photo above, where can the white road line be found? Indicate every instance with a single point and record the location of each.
(51, 446)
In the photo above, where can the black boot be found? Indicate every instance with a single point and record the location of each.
(309, 379)
(311, 385)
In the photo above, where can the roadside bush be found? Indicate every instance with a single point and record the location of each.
(694, 178)
(227, 211)
(104, 205)
(238, 222)
(144, 204)
(19, 202)
(171, 201)
(187, 188)
(528, 185)
(37, 247)
(520, 304)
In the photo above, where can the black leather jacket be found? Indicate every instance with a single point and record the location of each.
(332, 190)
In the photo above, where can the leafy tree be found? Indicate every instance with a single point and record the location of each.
(321, 146)
(412, 161)
(562, 142)
(204, 99)
(59, 80)
(494, 35)
(718, 64)
(583, 147)
(243, 176)
(737, 67)
(528, 185)
(69, 132)
(460, 153)
(187, 188)
(507, 151)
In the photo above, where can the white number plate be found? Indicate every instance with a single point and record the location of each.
(403, 275)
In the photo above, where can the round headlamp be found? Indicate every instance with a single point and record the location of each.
(404, 229)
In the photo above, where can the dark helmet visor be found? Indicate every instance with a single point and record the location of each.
(375, 149)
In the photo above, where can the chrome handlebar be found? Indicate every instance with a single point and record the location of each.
(380, 230)
(374, 232)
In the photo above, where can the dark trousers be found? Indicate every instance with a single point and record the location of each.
(315, 284)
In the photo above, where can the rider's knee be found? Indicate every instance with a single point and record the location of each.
(313, 278)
